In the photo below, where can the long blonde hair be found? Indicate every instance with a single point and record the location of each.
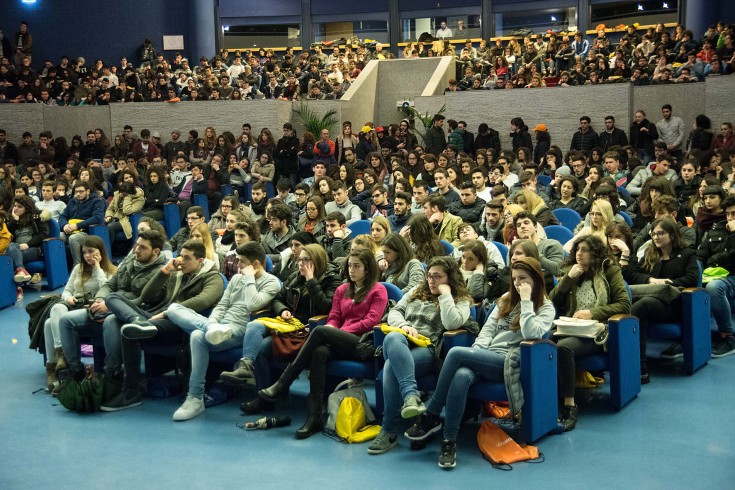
(203, 229)
(532, 201)
(604, 207)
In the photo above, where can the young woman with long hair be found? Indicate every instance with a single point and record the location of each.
(592, 288)
(439, 303)
(85, 280)
(399, 265)
(358, 306)
(523, 313)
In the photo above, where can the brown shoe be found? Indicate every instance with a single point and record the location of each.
(36, 278)
(51, 379)
(60, 359)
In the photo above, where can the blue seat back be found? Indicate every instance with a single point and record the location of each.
(544, 179)
(203, 201)
(361, 227)
(268, 263)
(394, 293)
(568, 218)
(54, 231)
(558, 233)
(448, 247)
(627, 218)
(171, 219)
(503, 251)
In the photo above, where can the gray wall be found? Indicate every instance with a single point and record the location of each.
(558, 108)
(687, 101)
(399, 80)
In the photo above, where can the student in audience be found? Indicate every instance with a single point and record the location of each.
(424, 241)
(245, 231)
(156, 193)
(129, 280)
(307, 292)
(532, 203)
(492, 225)
(600, 216)
(445, 224)
(667, 261)
(313, 219)
(28, 227)
(224, 239)
(379, 229)
(49, 202)
(128, 200)
(200, 233)
(620, 243)
(218, 220)
(664, 206)
(279, 235)
(342, 204)
(550, 250)
(248, 291)
(337, 239)
(357, 307)
(717, 249)
(191, 281)
(83, 210)
(468, 233)
(399, 266)
(194, 217)
(712, 211)
(568, 198)
(474, 266)
(439, 303)
(592, 288)
(523, 313)
(85, 280)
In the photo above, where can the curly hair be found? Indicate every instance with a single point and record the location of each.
(599, 253)
(455, 281)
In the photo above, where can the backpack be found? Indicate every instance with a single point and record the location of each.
(501, 450)
(350, 417)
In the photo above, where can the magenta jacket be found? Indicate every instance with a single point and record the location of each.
(358, 318)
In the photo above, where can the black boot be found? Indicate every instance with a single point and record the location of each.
(314, 421)
(256, 405)
(279, 389)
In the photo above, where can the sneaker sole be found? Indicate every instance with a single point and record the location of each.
(117, 409)
(411, 412)
(21, 279)
(446, 466)
(134, 332)
(427, 435)
(728, 353)
(671, 356)
(181, 418)
(382, 449)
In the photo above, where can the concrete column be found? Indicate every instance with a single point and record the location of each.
(486, 18)
(307, 35)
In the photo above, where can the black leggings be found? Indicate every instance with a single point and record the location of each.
(323, 344)
(653, 310)
(569, 349)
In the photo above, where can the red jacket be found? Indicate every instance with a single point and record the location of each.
(152, 152)
(724, 144)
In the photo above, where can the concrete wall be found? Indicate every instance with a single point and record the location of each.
(558, 108)
(400, 80)
(687, 101)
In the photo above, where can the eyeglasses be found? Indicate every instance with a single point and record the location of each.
(435, 277)
(226, 206)
(658, 234)
(303, 260)
(376, 195)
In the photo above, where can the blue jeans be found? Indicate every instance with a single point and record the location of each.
(403, 365)
(722, 293)
(196, 325)
(123, 311)
(22, 256)
(51, 333)
(256, 346)
(461, 369)
(72, 326)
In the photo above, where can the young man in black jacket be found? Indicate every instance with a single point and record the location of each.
(287, 148)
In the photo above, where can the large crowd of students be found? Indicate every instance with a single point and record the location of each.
(652, 203)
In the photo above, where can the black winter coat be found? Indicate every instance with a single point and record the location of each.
(305, 299)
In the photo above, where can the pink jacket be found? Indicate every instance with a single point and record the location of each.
(358, 318)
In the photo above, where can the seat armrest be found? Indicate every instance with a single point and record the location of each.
(317, 320)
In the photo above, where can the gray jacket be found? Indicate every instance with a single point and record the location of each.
(411, 276)
(130, 279)
(351, 212)
(429, 318)
(636, 185)
(243, 296)
(671, 131)
(552, 256)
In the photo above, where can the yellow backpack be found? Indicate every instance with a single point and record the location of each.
(350, 417)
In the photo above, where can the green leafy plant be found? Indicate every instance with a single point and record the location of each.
(312, 121)
(425, 118)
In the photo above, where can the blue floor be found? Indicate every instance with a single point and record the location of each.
(679, 433)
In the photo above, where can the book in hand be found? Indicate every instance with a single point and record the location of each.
(577, 327)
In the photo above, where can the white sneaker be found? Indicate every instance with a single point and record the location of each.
(190, 409)
(218, 333)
